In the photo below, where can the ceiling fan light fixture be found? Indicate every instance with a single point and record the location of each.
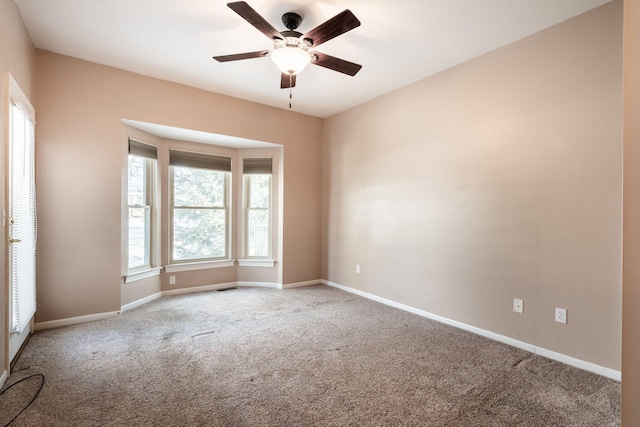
(291, 49)
(291, 60)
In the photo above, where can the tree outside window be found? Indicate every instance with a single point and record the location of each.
(139, 214)
(199, 214)
(258, 215)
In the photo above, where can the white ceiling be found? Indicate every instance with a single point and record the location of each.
(399, 42)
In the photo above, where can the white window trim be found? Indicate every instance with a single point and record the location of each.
(148, 243)
(143, 274)
(228, 218)
(204, 265)
(244, 221)
(151, 183)
(256, 262)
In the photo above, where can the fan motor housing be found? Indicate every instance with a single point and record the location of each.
(291, 20)
(288, 34)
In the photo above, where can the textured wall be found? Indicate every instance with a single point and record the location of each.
(496, 179)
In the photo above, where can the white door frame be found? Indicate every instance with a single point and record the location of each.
(13, 342)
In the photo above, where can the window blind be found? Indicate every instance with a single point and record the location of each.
(257, 165)
(141, 149)
(200, 160)
(22, 208)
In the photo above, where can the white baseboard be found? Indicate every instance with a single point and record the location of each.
(142, 301)
(99, 316)
(195, 289)
(559, 357)
(75, 320)
(3, 378)
(301, 284)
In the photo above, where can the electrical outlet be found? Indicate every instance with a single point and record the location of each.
(172, 280)
(518, 305)
(358, 268)
(561, 315)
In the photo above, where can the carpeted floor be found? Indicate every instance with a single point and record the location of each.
(312, 356)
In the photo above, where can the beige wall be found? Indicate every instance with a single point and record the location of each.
(497, 179)
(631, 269)
(17, 57)
(80, 154)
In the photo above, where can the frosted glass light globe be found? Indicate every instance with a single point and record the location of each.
(290, 60)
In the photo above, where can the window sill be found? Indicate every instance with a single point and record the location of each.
(256, 263)
(144, 274)
(188, 266)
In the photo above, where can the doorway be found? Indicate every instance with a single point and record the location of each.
(20, 218)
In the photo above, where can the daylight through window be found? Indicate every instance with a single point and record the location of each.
(257, 189)
(142, 159)
(200, 206)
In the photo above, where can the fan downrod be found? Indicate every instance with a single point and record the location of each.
(291, 20)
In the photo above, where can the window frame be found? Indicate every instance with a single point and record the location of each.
(246, 190)
(228, 219)
(149, 197)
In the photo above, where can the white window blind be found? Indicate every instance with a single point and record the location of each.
(22, 202)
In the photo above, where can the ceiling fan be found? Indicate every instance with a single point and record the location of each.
(292, 50)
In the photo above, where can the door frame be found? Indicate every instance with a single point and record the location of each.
(13, 92)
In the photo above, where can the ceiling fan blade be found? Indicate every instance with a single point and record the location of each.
(285, 82)
(336, 64)
(339, 24)
(254, 18)
(239, 56)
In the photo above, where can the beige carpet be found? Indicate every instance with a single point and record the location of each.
(312, 356)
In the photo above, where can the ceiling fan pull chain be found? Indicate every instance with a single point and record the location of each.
(290, 84)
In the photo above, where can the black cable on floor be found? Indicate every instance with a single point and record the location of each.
(32, 400)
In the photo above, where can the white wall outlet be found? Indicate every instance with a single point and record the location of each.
(518, 305)
(172, 280)
(358, 268)
(561, 315)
